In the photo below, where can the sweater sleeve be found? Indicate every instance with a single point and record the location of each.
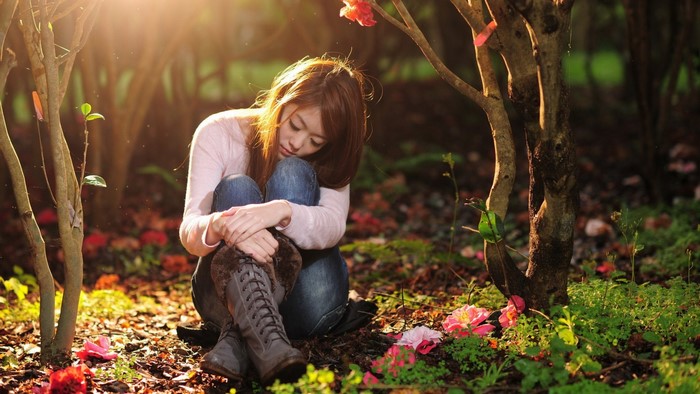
(322, 226)
(210, 151)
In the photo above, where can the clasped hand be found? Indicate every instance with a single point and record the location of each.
(246, 227)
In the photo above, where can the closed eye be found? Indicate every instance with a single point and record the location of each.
(293, 126)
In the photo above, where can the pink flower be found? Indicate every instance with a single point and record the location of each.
(153, 237)
(420, 338)
(518, 302)
(467, 320)
(67, 380)
(369, 379)
(359, 11)
(97, 350)
(605, 267)
(509, 314)
(395, 359)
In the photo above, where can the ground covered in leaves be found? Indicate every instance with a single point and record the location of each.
(409, 249)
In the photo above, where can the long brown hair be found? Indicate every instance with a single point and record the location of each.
(338, 90)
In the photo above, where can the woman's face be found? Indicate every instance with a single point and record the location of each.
(301, 132)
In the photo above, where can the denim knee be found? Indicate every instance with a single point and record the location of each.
(235, 190)
(294, 180)
(319, 296)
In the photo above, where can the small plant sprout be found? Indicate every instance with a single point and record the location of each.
(447, 158)
(629, 229)
(491, 225)
(689, 252)
(92, 180)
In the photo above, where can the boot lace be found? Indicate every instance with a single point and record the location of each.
(259, 301)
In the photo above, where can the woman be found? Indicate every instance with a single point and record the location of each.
(263, 182)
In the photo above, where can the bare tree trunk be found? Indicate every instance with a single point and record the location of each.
(51, 81)
(32, 232)
(529, 37)
(553, 193)
(655, 71)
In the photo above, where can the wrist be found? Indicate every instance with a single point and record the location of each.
(285, 213)
(213, 236)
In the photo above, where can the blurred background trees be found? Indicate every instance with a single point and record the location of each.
(155, 69)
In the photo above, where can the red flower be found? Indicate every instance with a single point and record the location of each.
(67, 380)
(93, 243)
(153, 237)
(358, 11)
(175, 263)
(107, 281)
(606, 267)
(47, 216)
(366, 223)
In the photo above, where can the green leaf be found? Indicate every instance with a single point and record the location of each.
(94, 180)
(94, 116)
(567, 335)
(653, 337)
(85, 108)
(491, 227)
(476, 203)
(447, 158)
(166, 175)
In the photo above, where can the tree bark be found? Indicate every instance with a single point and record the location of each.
(552, 158)
(529, 37)
(36, 26)
(32, 232)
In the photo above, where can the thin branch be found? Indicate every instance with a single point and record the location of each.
(83, 26)
(6, 64)
(7, 11)
(55, 15)
(411, 29)
(472, 18)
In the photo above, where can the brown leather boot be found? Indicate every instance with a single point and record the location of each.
(252, 292)
(228, 358)
(254, 310)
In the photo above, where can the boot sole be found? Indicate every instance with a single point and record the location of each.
(287, 372)
(215, 369)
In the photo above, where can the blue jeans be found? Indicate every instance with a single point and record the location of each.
(320, 294)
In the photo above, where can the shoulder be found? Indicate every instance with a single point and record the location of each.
(230, 124)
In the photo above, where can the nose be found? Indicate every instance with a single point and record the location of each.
(295, 142)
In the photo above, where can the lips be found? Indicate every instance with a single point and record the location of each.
(285, 152)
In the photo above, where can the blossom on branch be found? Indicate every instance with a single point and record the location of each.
(484, 35)
(358, 11)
